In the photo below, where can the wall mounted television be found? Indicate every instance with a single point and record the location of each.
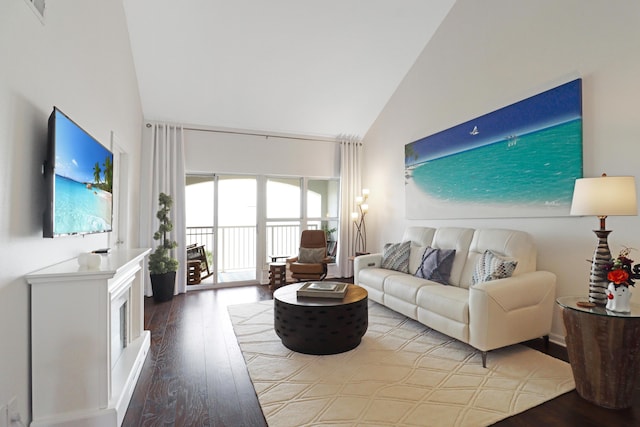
(78, 174)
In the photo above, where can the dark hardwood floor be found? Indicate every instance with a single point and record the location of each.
(195, 375)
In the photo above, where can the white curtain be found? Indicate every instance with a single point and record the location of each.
(350, 177)
(162, 171)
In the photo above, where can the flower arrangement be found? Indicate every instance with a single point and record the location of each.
(621, 271)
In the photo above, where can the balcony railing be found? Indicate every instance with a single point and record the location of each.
(237, 245)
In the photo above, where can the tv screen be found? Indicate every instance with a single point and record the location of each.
(79, 179)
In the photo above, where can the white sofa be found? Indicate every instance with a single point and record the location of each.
(487, 315)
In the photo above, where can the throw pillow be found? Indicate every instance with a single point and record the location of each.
(436, 265)
(491, 266)
(415, 256)
(311, 255)
(396, 256)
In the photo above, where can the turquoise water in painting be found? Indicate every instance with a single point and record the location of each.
(78, 208)
(537, 168)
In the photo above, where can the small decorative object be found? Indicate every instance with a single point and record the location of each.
(89, 261)
(585, 304)
(162, 266)
(620, 273)
(603, 196)
(360, 241)
(323, 290)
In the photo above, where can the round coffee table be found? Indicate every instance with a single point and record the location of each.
(320, 325)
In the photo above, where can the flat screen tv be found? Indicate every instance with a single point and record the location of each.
(78, 173)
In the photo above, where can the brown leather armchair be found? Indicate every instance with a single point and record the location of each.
(311, 262)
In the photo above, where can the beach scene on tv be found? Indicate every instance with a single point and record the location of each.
(83, 181)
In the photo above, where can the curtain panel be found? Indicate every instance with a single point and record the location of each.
(350, 182)
(162, 171)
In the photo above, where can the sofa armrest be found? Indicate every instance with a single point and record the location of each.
(516, 292)
(508, 311)
(365, 261)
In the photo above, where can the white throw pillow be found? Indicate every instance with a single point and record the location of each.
(415, 256)
(491, 266)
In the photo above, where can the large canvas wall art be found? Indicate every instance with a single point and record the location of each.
(519, 161)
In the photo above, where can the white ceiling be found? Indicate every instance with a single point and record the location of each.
(324, 67)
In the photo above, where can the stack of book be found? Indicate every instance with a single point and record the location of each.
(323, 290)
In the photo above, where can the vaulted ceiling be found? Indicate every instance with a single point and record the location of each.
(305, 67)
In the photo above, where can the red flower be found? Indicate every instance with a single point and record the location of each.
(618, 276)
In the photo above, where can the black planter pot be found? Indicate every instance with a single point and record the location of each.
(163, 286)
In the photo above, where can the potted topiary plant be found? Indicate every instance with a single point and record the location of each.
(162, 267)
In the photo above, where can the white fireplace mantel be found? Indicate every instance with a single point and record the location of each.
(74, 380)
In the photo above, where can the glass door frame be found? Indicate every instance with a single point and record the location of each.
(214, 178)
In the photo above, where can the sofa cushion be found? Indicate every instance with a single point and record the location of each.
(450, 302)
(436, 265)
(457, 238)
(419, 236)
(491, 266)
(375, 277)
(311, 255)
(396, 256)
(511, 243)
(405, 287)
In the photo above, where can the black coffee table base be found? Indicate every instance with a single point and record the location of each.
(321, 326)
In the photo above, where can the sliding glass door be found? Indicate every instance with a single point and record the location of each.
(243, 222)
(221, 217)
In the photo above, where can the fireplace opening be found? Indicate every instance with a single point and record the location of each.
(119, 327)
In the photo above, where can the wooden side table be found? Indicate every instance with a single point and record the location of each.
(277, 275)
(193, 272)
(604, 352)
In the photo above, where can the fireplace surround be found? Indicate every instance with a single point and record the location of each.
(87, 340)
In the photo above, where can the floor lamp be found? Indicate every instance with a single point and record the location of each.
(360, 241)
(603, 196)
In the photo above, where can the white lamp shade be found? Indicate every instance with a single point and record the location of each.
(605, 196)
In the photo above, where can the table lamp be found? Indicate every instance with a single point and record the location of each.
(602, 197)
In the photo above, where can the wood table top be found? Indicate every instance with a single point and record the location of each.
(287, 294)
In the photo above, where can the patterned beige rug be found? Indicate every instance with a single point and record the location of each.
(402, 374)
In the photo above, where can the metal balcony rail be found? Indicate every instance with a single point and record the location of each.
(237, 244)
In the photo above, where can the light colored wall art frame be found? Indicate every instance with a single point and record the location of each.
(519, 161)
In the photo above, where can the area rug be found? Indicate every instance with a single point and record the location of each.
(401, 374)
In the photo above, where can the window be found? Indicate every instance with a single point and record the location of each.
(244, 221)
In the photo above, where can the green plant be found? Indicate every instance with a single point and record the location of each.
(160, 261)
(328, 231)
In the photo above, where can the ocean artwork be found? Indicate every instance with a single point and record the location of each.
(519, 161)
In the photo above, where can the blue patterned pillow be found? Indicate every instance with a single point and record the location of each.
(396, 256)
(436, 265)
(491, 266)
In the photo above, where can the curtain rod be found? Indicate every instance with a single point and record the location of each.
(231, 132)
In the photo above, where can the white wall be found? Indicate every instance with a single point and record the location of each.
(490, 54)
(80, 61)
